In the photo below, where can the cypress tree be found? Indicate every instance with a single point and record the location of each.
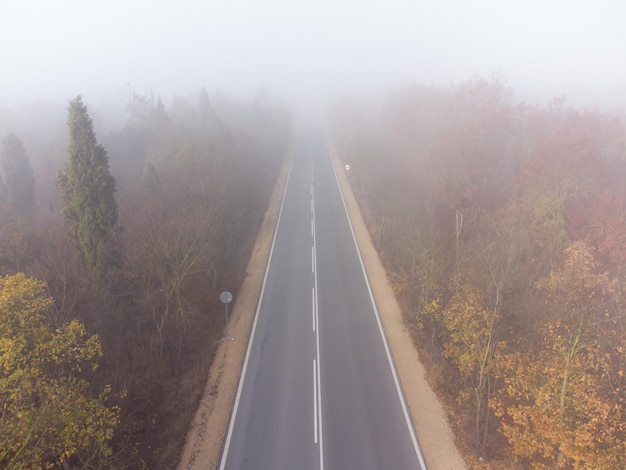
(87, 190)
(20, 181)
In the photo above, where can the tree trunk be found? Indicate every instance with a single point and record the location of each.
(564, 386)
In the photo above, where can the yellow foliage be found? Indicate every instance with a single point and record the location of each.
(48, 415)
(558, 410)
(469, 327)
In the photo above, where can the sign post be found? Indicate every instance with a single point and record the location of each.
(226, 298)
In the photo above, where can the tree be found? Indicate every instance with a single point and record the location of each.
(473, 161)
(19, 245)
(549, 227)
(20, 181)
(49, 417)
(87, 189)
(466, 185)
(171, 238)
(562, 411)
(470, 342)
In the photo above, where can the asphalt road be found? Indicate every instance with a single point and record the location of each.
(318, 389)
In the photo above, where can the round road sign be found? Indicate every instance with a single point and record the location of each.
(226, 297)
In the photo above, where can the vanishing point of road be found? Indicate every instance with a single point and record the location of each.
(318, 388)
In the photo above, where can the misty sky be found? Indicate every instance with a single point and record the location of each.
(56, 49)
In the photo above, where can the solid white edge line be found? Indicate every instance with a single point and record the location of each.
(314, 401)
(233, 416)
(405, 410)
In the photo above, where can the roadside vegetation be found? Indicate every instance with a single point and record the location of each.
(503, 229)
(113, 251)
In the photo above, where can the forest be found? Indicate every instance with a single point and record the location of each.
(114, 248)
(502, 226)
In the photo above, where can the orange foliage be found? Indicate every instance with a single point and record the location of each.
(556, 408)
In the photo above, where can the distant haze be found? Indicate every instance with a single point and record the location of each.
(54, 50)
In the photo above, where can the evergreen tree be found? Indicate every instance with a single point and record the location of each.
(20, 181)
(87, 189)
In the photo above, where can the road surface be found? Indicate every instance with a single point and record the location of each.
(318, 388)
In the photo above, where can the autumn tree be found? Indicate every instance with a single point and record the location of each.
(87, 189)
(559, 413)
(470, 339)
(49, 415)
(474, 154)
(424, 266)
(20, 180)
(192, 183)
(600, 218)
(464, 184)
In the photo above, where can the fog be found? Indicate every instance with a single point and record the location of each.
(306, 52)
(499, 211)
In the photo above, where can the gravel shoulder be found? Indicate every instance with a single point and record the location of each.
(206, 434)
